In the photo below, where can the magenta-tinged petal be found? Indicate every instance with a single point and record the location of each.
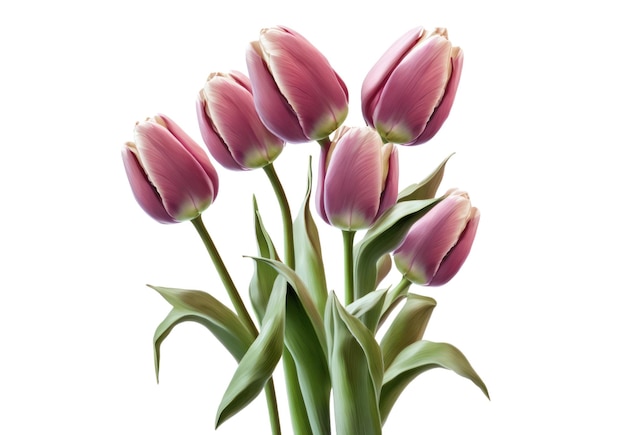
(270, 104)
(230, 107)
(390, 189)
(182, 183)
(443, 110)
(432, 237)
(376, 78)
(413, 91)
(213, 141)
(306, 80)
(144, 192)
(194, 149)
(452, 263)
(353, 180)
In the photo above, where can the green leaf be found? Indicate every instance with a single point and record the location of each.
(309, 263)
(427, 188)
(368, 308)
(356, 372)
(259, 362)
(201, 307)
(264, 275)
(407, 327)
(382, 238)
(415, 360)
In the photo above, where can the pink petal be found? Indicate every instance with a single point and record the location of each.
(275, 112)
(144, 192)
(390, 190)
(213, 141)
(377, 77)
(413, 91)
(443, 110)
(452, 263)
(182, 183)
(307, 81)
(353, 180)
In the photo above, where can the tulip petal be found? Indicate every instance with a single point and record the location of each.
(145, 193)
(432, 237)
(271, 106)
(413, 91)
(452, 262)
(390, 188)
(182, 182)
(212, 140)
(320, 104)
(378, 75)
(357, 156)
(443, 110)
(194, 149)
(231, 109)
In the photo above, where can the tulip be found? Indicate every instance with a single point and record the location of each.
(169, 173)
(409, 92)
(438, 244)
(230, 126)
(358, 178)
(297, 94)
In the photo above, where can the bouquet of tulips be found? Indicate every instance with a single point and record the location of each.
(328, 347)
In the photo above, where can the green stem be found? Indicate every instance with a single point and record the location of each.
(240, 308)
(285, 212)
(348, 265)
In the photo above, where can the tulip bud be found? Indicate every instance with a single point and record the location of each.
(358, 178)
(230, 126)
(297, 94)
(438, 244)
(409, 92)
(169, 173)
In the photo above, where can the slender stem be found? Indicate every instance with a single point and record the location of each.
(240, 308)
(348, 265)
(285, 212)
(235, 298)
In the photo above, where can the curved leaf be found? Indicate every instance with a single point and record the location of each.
(415, 360)
(427, 188)
(309, 263)
(201, 307)
(258, 364)
(369, 307)
(356, 372)
(382, 238)
(407, 327)
(264, 275)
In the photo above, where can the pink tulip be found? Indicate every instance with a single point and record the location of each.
(230, 126)
(358, 178)
(169, 174)
(438, 244)
(297, 94)
(409, 92)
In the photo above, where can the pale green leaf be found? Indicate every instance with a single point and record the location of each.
(415, 360)
(309, 263)
(407, 327)
(356, 372)
(259, 362)
(369, 307)
(264, 275)
(201, 307)
(427, 188)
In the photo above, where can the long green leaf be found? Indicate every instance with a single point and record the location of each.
(427, 188)
(368, 308)
(309, 263)
(386, 234)
(306, 342)
(201, 307)
(356, 372)
(264, 275)
(258, 364)
(415, 360)
(407, 327)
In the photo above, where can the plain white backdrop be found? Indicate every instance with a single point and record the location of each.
(537, 128)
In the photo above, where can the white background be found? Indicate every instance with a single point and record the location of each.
(537, 128)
